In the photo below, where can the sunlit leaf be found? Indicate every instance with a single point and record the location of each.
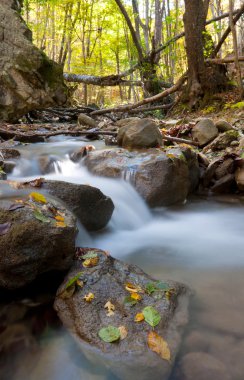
(109, 334)
(132, 288)
(157, 344)
(89, 297)
(37, 197)
(59, 218)
(139, 317)
(123, 332)
(88, 263)
(4, 228)
(136, 296)
(110, 308)
(40, 216)
(60, 224)
(152, 316)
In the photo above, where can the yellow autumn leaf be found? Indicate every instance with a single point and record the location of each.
(123, 332)
(157, 344)
(37, 197)
(60, 224)
(89, 297)
(139, 317)
(133, 288)
(110, 308)
(59, 218)
(80, 283)
(136, 296)
(92, 262)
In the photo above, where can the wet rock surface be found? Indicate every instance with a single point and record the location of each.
(161, 178)
(128, 358)
(89, 204)
(30, 246)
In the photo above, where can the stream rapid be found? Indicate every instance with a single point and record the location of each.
(199, 243)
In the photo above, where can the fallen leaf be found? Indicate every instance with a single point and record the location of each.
(152, 316)
(123, 332)
(110, 307)
(136, 296)
(4, 228)
(130, 301)
(37, 197)
(40, 216)
(139, 317)
(90, 255)
(157, 344)
(89, 297)
(88, 263)
(133, 288)
(60, 225)
(73, 280)
(80, 283)
(59, 218)
(109, 334)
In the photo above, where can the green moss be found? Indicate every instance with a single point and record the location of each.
(238, 105)
(209, 109)
(233, 134)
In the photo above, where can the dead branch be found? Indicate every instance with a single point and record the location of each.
(41, 136)
(152, 99)
(179, 140)
(228, 30)
(220, 61)
(153, 108)
(111, 80)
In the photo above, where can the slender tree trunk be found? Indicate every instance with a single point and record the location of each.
(235, 47)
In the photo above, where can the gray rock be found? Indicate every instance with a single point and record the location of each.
(129, 358)
(239, 177)
(86, 121)
(223, 126)
(46, 163)
(204, 132)
(224, 185)
(223, 141)
(28, 78)
(127, 121)
(31, 247)
(9, 166)
(142, 133)
(225, 167)
(202, 366)
(89, 204)
(9, 153)
(161, 178)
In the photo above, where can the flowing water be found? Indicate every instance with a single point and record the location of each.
(200, 243)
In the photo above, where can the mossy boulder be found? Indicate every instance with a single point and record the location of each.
(28, 78)
(30, 246)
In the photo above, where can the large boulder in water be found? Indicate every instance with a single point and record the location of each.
(141, 133)
(111, 280)
(89, 204)
(161, 177)
(28, 79)
(32, 241)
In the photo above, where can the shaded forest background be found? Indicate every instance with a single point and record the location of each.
(92, 37)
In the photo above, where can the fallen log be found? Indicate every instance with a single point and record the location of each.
(152, 99)
(41, 136)
(220, 61)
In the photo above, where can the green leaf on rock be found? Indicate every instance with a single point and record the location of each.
(40, 216)
(151, 287)
(109, 334)
(90, 255)
(128, 300)
(162, 286)
(73, 280)
(151, 315)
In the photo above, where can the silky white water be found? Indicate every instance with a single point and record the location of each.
(199, 243)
